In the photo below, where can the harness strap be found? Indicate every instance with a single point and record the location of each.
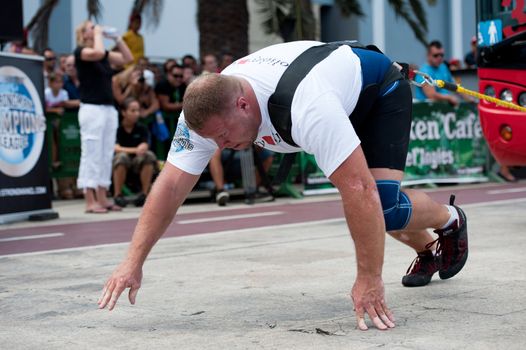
(280, 101)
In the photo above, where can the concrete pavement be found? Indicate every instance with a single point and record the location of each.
(283, 287)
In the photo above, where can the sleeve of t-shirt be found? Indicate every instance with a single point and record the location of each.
(189, 151)
(322, 128)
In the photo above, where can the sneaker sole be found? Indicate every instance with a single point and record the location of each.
(222, 200)
(445, 274)
(420, 283)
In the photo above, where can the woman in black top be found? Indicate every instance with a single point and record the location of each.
(98, 118)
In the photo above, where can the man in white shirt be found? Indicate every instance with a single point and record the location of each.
(363, 158)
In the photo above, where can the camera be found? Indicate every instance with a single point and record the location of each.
(141, 79)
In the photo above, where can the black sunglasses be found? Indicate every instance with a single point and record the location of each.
(50, 58)
(438, 55)
(177, 75)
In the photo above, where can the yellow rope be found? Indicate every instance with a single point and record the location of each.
(460, 89)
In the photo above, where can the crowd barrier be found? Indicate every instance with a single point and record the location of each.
(447, 146)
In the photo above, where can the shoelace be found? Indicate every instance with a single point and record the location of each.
(417, 262)
(444, 245)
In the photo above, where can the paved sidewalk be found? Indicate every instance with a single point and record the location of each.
(272, 288)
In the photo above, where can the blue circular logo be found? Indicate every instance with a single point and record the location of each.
(22, 123)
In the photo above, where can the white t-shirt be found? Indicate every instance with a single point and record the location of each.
(320, 108)
(52, 100)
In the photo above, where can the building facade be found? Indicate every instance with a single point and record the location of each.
(450, 21)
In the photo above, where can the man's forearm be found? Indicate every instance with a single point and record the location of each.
(166, 196)
(363, 212)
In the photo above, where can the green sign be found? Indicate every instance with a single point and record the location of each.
(447, 145)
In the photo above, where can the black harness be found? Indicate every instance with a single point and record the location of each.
(279, 103)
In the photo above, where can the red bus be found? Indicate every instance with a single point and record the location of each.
(502, 74)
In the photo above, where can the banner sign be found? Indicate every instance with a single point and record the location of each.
(24, 177)
(447, 146)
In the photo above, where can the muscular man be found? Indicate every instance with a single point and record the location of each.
(364, 158)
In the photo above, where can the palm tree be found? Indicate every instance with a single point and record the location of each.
(38, 25)
(223, 27)
(293, 19)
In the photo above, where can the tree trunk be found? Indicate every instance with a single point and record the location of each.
(223, 27)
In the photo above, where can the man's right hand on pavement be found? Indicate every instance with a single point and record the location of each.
(126, 275)
(368, 297)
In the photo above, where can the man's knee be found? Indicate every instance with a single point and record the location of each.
(396, 205)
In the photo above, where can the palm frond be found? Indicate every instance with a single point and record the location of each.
(350, 7)
(274, 12)
(38, 25)
(419, 12)
(94, 9)
(401, 10)
(150, 9)
(290, 19)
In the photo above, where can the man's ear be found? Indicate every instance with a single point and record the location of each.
(242, 103)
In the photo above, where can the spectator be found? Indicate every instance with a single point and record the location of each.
(55, 95)
(71, 80)
(132, 154)
(50, 61)
(471, 57)
(505, 174)
(170, 91)
(226, 59)
(144, 65)
(437, 69)
(98, 118)
(20, 46)
(158, 74)
(57, 99)
(131, 83)
(190, 61)
(454, 64)
(266, 157)
(168, 65)
(217, 173)
(133, 39)
(188, 75)
(209, 64)
(62, 62)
